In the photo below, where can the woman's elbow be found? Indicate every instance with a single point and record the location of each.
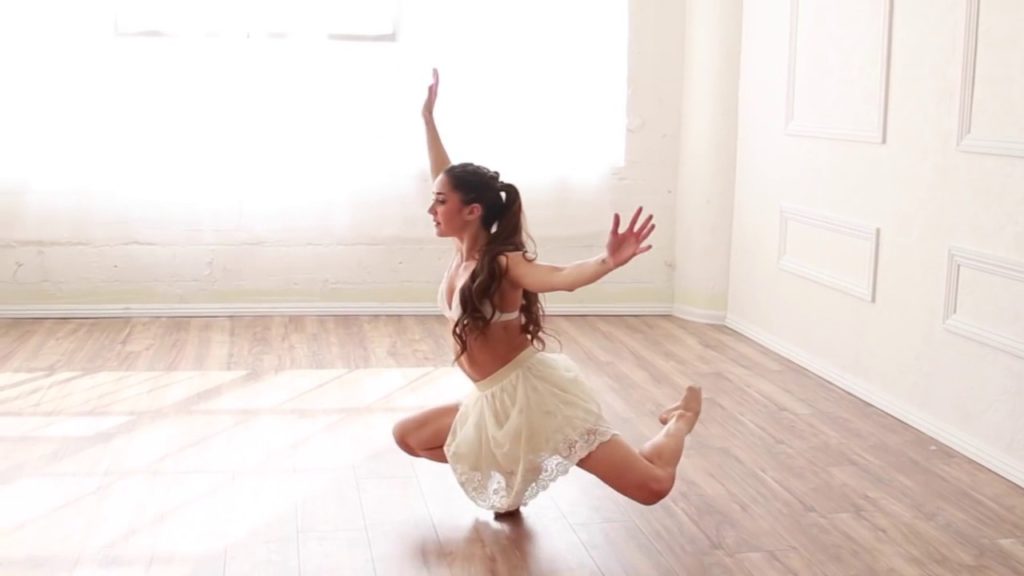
(568, 287)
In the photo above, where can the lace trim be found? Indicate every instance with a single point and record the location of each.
(489, 488)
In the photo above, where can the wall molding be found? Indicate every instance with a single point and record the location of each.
(876, 134)
(295, 309)
(998, 463)
(699, 314)
(966, 141)
(864, 290)
(1001, 267)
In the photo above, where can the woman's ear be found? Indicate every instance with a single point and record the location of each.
(474, 212)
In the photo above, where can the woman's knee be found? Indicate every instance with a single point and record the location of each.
(403, 437)
(654, 488)
(424, 431)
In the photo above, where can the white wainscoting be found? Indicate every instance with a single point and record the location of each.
(969, 139)
(872, 127)
(859, 256)
(998, 317)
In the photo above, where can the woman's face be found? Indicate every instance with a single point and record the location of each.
(451, 216)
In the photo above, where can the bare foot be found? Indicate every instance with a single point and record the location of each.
(686, 410)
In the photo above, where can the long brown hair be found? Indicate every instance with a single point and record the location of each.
(502, 219)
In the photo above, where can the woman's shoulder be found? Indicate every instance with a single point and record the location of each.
(511, 258)
(516, 256)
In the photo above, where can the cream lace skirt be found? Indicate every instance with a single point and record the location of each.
(522, 428)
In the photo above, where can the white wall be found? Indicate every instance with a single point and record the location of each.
(169, 176)
(861, 158)
(707, 158)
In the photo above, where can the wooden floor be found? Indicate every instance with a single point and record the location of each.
(262, 446)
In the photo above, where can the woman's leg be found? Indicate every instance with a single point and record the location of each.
(424, 433)
(647, 475)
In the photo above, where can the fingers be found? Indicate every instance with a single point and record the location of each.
(645, 234)
(645, 224)
(632, 222)
(646, 227)
(432, 88)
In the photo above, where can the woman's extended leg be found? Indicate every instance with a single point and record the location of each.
(424, 433)
(647, 475)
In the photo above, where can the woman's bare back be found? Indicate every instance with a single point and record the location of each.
(488, 351)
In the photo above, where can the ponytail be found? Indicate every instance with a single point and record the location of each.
(510, 218)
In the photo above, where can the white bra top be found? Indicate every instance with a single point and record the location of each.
(453, 311)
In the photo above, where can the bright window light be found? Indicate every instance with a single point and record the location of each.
(337, 19)
(532, 88)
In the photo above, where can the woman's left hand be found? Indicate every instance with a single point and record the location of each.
(431, 99)
(624, 246)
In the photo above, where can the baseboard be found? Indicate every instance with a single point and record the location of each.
(1012, 471)
(284, 309)
(608, 310)
(698, 315)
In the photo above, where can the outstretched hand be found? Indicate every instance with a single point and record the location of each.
(623, 247)
(428, 104)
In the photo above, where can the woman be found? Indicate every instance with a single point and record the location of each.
(532, 416)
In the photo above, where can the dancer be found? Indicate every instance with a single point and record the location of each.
(532, 416)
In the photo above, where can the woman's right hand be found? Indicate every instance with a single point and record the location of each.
(428, 104)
